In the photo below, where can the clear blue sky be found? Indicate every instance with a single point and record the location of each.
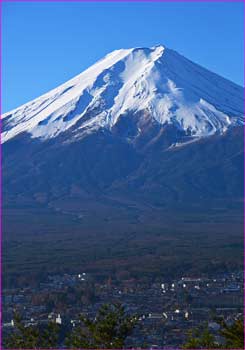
(45, 44)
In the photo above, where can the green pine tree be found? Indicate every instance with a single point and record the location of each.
(203, 339)
(200, 339)
(32, 337)
(49, 336)
(234, 334)
(23, 337)
(108, 330)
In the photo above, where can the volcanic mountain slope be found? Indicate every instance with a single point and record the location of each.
(142, 125)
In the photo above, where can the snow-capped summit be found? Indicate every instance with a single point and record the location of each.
(113, 137)
(163, 85)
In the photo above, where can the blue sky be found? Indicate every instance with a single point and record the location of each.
(45, 44)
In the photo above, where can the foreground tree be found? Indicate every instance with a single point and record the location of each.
(32, 337)
(200, 339)
(233, 336)
(109, 329)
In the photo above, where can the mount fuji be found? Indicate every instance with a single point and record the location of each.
(142, 127)
(167, 87)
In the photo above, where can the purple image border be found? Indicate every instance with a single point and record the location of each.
(122, 1)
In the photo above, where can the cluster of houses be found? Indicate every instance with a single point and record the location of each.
(167, 310)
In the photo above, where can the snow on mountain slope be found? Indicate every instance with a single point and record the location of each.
(158, 80)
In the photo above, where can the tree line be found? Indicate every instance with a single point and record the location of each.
(109, 330)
